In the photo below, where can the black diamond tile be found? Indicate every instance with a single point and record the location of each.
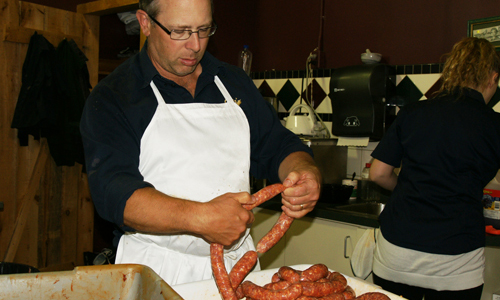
(407, 89)
(265, 90)
(318, 94)
(288, 95)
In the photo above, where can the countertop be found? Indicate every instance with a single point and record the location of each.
(323, 210)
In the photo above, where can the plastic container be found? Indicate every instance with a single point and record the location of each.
(207, 289)
(245, 59)
(491, 202)
(127, 281)
(365, 174)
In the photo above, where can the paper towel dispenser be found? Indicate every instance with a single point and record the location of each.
(360, 96)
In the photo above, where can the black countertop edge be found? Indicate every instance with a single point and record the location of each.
(324, 211)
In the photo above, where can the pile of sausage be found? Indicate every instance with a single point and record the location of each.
(316, 282)
(229, 284)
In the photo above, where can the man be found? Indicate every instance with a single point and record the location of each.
(169, 150)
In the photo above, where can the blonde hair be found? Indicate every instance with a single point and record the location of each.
(469, 64)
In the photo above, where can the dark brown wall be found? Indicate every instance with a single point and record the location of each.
(282, 33)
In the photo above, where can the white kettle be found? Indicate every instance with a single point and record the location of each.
(301, 124)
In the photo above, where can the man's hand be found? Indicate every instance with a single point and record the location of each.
(224, 219)
(303, 181)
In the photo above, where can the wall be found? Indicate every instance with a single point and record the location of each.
(282, 33)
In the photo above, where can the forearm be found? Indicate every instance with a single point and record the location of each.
(383, 175)
(388, 182)
(149, 210)
(221, 220)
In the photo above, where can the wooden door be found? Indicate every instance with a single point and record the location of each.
(47, 216)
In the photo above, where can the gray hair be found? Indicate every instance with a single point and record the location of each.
(151, 7)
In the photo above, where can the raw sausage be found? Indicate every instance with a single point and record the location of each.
(288, 274)
(220, 273)
(278, 285)
(373, 296)
(349, 293)
(254, 291)
(242, 268)
(264, 194)
(275, 234)
(334, 296)
(314, 273)
(320, 289)
(337, 276)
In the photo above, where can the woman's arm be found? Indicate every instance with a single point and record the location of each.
(383, 175)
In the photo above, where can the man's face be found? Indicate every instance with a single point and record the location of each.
(178, 58)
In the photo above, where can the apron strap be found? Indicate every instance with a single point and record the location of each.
(223, 89)
(157, 93)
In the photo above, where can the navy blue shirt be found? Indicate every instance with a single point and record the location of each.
(448, 150)
(121, 106)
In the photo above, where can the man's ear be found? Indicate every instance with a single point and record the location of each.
(144, 22)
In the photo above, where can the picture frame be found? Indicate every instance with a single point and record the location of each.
(487, 28)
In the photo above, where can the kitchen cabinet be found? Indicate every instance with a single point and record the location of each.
(308, 241)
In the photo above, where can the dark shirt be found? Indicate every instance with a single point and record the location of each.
(448, 150)
(121, 106)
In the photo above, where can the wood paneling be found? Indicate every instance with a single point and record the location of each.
(47, 221)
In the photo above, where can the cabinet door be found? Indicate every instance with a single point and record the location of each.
(312, 241)
(264, 221)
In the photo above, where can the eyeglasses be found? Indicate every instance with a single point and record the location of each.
(185, 34)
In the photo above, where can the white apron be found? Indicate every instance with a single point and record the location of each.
(191, 151)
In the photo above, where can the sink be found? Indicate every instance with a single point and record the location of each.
(366, 208)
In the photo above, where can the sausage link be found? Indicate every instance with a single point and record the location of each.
(275, 234)
(239, 292)
(373, 296)
(276, 277)
(254, 291)
(242, 268)
(314, 273)
(288, 274)
(349, 293)
(334, 296)
(264, 194)
(278, 285)
(321, 289)
(220, 273)
(336, 276)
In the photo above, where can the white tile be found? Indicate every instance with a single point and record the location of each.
(424, 81)
(325, 107)
(258, 82)
(276, 84)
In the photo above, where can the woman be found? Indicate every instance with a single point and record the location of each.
(431, 240)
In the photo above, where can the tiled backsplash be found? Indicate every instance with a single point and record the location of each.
(413, 83)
